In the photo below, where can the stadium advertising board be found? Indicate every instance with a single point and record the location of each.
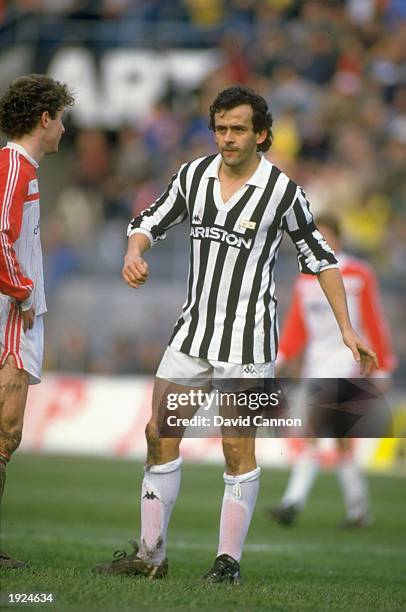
(127, 82)
(102, 416)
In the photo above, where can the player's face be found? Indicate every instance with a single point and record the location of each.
(235, 136)
(53, 134)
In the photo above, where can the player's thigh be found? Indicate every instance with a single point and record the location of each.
(180, 387)
(13, 395)
(171, 399)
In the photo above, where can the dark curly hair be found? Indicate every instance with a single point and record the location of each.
(239, 94)
(27, 98)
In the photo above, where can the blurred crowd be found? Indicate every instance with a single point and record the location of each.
(334, 74)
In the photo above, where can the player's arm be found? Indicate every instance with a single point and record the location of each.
(316, 257)
(150, 226)
(332, 284)
(135, 269)
(12, 280)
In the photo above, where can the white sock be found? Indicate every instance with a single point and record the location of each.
(354, 488)
(240, 495)
(301, 480)
(159, 492)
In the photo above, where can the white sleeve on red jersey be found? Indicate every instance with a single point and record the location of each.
(13, 190)
(294, 334)
(374, 320)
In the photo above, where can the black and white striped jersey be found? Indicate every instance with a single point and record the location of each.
(230, 311)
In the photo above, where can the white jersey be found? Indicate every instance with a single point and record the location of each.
(230, 311)
(21, 268)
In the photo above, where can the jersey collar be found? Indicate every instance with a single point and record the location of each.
(258, 179)
(22, 151)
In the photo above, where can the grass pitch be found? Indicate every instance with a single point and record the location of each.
(66, 514)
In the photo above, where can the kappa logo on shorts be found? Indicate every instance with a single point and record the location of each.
(150, 495)
(249, 369)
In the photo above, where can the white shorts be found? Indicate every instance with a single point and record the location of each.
(26, 348)
(194, 371)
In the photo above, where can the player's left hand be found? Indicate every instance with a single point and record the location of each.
(365, 356)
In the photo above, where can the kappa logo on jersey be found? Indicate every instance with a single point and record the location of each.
(221, 235)
(150, 495)
(196, 219)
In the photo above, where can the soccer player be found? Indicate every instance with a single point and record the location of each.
(238, 205)
(310, 327)
(31, 113)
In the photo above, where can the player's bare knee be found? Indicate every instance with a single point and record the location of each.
(13, 388)
(233, 454)
(152, 434)
(10, 440)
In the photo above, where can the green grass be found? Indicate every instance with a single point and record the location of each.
(66, 514)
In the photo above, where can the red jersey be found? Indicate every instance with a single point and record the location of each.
(21, 269)
(310, 324)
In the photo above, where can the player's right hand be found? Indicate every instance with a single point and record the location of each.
(28, 317)
(135, 270)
